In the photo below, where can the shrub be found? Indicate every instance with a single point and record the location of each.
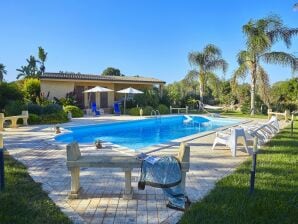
(54, 118)
(14, 108)
(51, 109)
(31, 88)
(147, 110)
(135, 111)
(163, 109)
(9, 92)
(75, 111)
(35, 109)
(34, 119)
(245, 107)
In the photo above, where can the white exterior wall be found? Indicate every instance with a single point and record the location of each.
(57, 89)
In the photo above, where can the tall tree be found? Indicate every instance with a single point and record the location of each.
(2, 72)
(30, 70)
(209, 60)
(190, 80)
(42, 55)
(111, 72)
(260, 36)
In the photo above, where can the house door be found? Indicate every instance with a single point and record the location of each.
(104, 100)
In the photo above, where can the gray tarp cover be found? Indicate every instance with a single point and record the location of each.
(165, 174)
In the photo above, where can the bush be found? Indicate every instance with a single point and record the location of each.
(147, 110)
(14, 108)
(34, 119)
(75, 111)
(35, 109)
(163, 109)
(9, 92)
(31, 88)
(51, 109)
(54, 118)
(245, 107)
(135, 111)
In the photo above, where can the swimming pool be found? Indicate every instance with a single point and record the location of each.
(142, 133)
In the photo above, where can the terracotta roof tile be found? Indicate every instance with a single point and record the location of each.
(79, 76)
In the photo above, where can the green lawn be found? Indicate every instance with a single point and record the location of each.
(229, 113)
(240, 114)
(276, 191)
(23, 200)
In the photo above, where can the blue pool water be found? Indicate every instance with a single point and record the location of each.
(142, 133)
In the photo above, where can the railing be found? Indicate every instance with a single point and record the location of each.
(286, 114)
(178, 109)
(155, 113)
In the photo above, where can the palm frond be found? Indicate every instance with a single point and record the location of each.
(213, 82)
(196, 58)
(241, 72)
(263, 84)
(42, 55)
(283, 34)
(244, 57)
(280, 58)
(212, 50)
(2, 69)
(217, 64)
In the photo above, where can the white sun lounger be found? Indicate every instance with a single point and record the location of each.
(231, 140)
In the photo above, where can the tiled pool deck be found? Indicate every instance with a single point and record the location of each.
(101, 198)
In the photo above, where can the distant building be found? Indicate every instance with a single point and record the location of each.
(59, 84)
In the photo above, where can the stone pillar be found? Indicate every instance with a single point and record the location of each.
(97, 99)
(25, 113)
(128, 189)
(75, 182)
(86, 100)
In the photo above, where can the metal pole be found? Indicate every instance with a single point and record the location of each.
(292, 124)
(1, 163)
(254, 165)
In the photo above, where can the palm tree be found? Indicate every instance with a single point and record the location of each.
(261, 35)
(42, 55)
(190, 80)
(208, 61)
(2, 72)
(29, 71)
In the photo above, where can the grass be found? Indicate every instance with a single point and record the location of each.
(275, 199)
(23, 200)
(230, 113)
(240, 114)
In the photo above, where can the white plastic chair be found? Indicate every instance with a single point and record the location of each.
(231, 140)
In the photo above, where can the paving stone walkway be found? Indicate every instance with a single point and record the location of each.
(101, 198)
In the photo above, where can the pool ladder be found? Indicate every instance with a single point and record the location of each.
(155, 113)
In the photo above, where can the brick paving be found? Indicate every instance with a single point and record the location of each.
(101, 196)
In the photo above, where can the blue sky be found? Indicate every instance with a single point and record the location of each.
(140, 37)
